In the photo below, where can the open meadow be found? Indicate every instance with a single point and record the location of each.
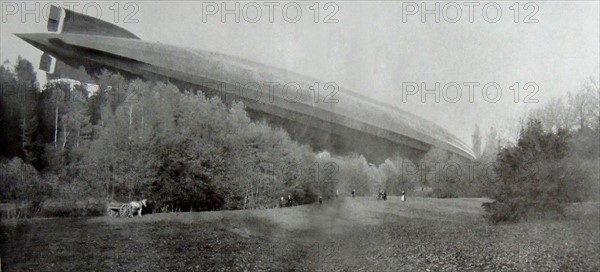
(362, 234)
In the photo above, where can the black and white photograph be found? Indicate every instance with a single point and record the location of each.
(299, 135)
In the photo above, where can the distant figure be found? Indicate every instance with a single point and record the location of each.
(384, 195)
(320, 200)
(289, 200)
(337, 193)
(281, 202)
(353, 192)
(403, 196)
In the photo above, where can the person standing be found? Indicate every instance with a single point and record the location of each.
(320, 200)
(403, 196)
(353, 192)
(289, 200)
(337, 193)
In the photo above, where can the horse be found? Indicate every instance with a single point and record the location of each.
(137, 205)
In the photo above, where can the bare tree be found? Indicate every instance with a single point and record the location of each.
(477, 141)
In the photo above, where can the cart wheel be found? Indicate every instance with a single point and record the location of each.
(125, 211)
(129, 211)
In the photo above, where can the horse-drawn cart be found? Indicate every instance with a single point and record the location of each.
(116, 209)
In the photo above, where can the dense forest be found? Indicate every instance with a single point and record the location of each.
(67, 148)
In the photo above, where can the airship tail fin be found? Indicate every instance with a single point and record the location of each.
(67, 21)
(54, 16)
(47, 63)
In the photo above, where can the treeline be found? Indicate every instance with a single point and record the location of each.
(69, 147)
(353, 172)
(554, 161)
(131, 139)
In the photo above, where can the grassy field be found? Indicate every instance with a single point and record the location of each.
(362, 234)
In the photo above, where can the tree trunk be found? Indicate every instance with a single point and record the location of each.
(56, 126)
(129, 128)
(130, 114)
(66, 134)
(24, 129)
(142, 128)
(78, 135)
(257, 198)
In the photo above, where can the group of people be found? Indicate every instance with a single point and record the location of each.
(337, 195)
(282, 201)
(382, 195)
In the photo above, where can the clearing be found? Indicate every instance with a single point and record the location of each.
(362, 234)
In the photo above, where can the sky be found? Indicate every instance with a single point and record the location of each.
(390, 51)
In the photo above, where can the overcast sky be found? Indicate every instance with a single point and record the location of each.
(373, 50)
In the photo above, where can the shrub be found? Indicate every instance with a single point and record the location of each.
(20, 182)
(72, 208)
(534, 178)
(448, 175)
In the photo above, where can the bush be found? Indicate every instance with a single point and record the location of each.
(20, 182)
(447, 175)
(355, 173)
(18, 210)
(63, 208)
(534, 178)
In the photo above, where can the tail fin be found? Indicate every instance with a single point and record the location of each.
(54, 19)
(47, 63)
(68, 21)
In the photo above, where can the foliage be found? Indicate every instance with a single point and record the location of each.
(132, 139)
(451, 176)
(188, 152)
(534, 176)
(353, 176)
(576, 111)
(20, 182)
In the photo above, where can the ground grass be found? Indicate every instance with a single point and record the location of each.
(361, 234)
(52, 208)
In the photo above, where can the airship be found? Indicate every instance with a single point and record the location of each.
(320, 114)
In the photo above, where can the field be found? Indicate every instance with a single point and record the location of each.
(362, 234)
